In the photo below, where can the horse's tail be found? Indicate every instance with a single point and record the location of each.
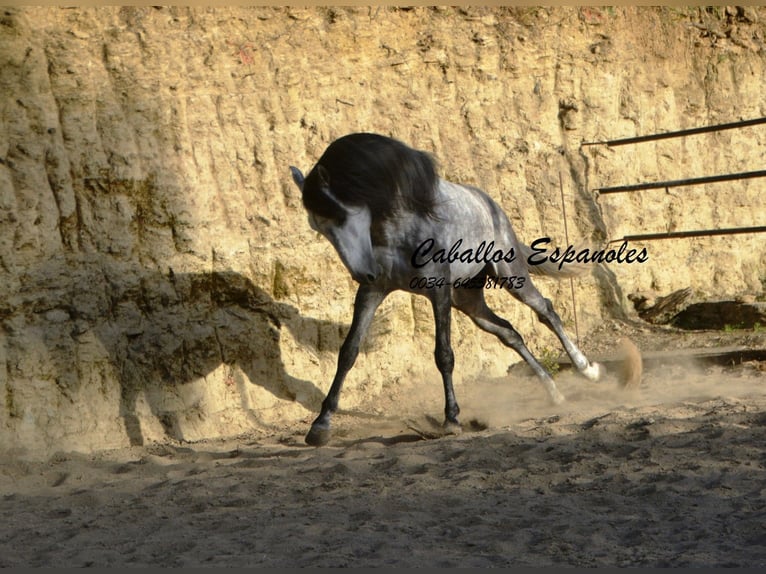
(551, 269)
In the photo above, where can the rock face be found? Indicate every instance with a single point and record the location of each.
(158, 277)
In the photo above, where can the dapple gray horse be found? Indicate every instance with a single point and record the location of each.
(397, 225)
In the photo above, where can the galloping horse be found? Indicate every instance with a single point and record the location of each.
(396, 225)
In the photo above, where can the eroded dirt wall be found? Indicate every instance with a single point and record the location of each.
(157, 274)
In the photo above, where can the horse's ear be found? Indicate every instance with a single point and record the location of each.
(297, 177)
(324, 175)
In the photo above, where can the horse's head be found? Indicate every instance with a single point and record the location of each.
(346, 227)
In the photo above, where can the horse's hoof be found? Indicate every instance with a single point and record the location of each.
(557, 398)
(452, 428)
(318, 436)
(594, 371)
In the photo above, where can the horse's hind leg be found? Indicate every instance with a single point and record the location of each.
(365, 304)
(471, 302)
(530, 296)
(445, 358)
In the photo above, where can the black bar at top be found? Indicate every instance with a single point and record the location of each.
(680, 133)
(682, 182)
(700, 233)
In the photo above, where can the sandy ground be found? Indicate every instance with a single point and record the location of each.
(673, 474)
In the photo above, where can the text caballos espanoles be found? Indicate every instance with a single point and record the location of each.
(485, 252)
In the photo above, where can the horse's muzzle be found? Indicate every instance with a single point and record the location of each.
(367, 277)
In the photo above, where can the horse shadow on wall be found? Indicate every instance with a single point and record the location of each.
(161, 331)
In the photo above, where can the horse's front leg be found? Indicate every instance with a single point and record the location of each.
(367, 300)
(441, 300)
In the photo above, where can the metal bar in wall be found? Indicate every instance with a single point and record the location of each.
(682, 182)
(698, 233)
(679, 133)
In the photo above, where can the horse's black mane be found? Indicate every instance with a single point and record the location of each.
(373, 170)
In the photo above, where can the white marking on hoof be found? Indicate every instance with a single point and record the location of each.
(593, 372)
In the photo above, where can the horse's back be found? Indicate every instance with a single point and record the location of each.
(472, 210)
